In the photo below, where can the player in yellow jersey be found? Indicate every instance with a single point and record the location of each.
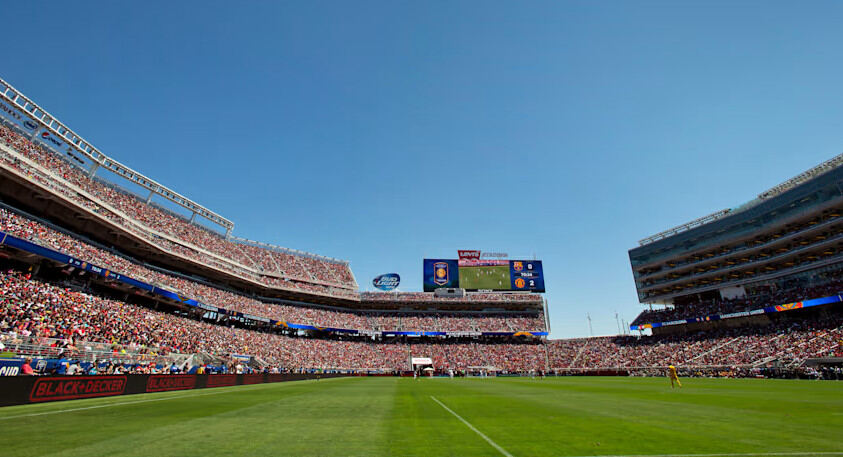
(671, 373)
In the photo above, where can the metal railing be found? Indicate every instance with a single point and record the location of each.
(75, 141)
(85, 350)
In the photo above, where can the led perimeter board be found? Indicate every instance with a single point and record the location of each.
(500, 275)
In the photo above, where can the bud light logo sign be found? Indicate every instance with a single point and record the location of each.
(10, 367)
(387, 282)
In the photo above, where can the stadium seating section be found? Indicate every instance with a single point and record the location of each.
(36, 310)
(29, 229)
(47, 316)
(686, 309)
(169, 231)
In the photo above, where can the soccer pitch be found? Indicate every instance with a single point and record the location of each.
(432, 417)
(488, 277)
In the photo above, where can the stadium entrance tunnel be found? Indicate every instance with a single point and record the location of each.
(19, 390)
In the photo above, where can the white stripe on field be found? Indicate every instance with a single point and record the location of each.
(488, 440)
(173, 397)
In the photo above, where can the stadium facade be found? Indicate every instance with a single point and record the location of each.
(789, 235)
(51, 178)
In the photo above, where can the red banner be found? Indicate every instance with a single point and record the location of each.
(221, 380)
(69, 388)
(163, 382)
(468, 254)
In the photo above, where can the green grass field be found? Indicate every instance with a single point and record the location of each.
(490, 277)
(391, 416)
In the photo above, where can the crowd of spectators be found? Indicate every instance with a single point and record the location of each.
(453, 322)
(784, 342)
(166, 229)
(175, 235)
(428, 297)
(39, 233)
(764, 297)
(34, 309)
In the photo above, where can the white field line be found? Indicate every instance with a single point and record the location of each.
(173, 397)
(488, 440)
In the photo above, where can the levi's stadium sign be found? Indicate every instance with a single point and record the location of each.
(387, 282)
(473, 254)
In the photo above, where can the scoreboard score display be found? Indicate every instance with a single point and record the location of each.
(484, 274)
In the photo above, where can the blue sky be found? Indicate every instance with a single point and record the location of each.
(564, 130)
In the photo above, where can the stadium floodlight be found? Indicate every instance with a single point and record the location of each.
(75, 141)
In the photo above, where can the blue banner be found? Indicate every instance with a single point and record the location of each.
(765, 310)
(10, 367)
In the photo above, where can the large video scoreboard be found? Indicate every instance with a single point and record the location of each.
(484, 274)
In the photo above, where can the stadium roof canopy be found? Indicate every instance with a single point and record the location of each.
(56, 127)
(824, 167)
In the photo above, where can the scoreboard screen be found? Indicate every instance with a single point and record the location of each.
(498, 275)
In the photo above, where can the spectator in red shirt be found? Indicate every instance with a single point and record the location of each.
(26, 369)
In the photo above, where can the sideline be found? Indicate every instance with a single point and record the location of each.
(488, 440)
(750, 454)
(224, 390)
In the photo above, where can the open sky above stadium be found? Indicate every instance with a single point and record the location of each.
(386, 132)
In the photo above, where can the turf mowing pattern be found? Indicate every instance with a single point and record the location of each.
(431, 417)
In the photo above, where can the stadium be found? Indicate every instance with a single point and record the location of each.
(135, 321)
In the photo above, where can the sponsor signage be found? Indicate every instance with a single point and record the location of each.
(17, 390)
(474, 254)
(422, 361)
(14, 116)
(164, 382)
(754, 312)
(73, 387)
(464, 333)
(387, 281)
(252, 379)
(51, 141)
(221, 380)
(10, 367)
(465, 254)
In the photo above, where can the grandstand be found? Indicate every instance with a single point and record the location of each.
(780, 252)
(78, 249)
(182, 290)
(260, 229)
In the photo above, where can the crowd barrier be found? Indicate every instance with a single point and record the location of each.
(19, 390)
